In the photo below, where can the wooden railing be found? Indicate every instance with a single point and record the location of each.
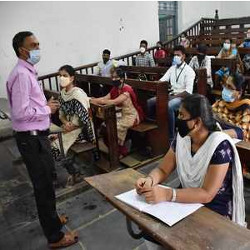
(205, 26)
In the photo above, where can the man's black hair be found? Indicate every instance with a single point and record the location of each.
(180, 48)
(18, 40)
(145, 42)
(106, 51)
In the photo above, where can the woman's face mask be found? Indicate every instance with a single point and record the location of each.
(65, 81)
(226, 46)
(116, 83)
(228, 95)
(182, 126)
(177, 60)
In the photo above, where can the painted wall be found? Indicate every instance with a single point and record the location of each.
(190, 12)
(75, 32)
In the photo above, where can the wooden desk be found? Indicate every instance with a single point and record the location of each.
(203, 229)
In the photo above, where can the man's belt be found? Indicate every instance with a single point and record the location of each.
(34, 132)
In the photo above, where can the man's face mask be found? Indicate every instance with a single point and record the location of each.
(177, 60)
(64, 81)
(226, 46)
(228, 95)
(142, 50)
(182, 126)
(34, 56)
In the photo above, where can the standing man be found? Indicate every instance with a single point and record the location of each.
(181, 78)
(144, 59)
(30, 114)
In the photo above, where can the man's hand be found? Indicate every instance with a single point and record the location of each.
(54, 105)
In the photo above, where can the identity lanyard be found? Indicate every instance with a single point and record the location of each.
(177, 77)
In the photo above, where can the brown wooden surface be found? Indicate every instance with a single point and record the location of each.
(108, 114)
(243, 148)
(82, 147)
(144, 127)
(202, 81)
(203, 229)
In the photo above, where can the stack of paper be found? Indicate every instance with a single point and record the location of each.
(168, 212)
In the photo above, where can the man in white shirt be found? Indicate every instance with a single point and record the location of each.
(104, 67)
(181, 78)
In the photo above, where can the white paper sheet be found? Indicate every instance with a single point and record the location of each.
(168, 212)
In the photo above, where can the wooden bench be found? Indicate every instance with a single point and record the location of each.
(204, 229)
(156, 133)
(152, 73)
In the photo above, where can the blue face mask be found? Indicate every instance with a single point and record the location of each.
(227, 95)
(34, 57)
(176, 60)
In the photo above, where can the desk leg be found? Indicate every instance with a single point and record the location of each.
(110, 120)
(61, 144)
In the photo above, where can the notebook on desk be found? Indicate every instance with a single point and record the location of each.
(168, 212)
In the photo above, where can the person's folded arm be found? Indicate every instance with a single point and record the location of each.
(22, 108)
(205, 194)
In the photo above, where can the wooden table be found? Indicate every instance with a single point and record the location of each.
(203, 229)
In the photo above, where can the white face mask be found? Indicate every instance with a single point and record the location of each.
(142, 50)
(64, 81)
(226, 46)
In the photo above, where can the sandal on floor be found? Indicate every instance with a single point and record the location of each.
(64, 219)
(68, 239)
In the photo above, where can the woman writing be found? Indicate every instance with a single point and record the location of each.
(211, 172)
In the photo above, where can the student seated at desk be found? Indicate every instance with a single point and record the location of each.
(229, 51)
(144, 59)
(122, 95)
(232, 108)
(246, 44)
(74, 116)
(207, 164)
(184, 41)
(200, 61)
(181, 78)
(160, 51)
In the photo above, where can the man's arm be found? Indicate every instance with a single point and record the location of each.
(166, 76)
(21, 106)
(189, 81)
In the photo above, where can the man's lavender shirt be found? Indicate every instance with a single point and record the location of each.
(29, 110)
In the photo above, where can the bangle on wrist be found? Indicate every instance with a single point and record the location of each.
(152, 180)
(173, 195)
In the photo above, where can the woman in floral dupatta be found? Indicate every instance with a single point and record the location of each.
(76, 123)
(123, 96)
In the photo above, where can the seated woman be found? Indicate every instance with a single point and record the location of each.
(123, 96)
(201, 60)
(184, 41)
(232, 109)
(207, 164)
(246, 44)
(160, 51)
(229, 51)
(74, 116)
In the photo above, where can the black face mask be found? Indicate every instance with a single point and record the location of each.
(182, 126)
(116, 83)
